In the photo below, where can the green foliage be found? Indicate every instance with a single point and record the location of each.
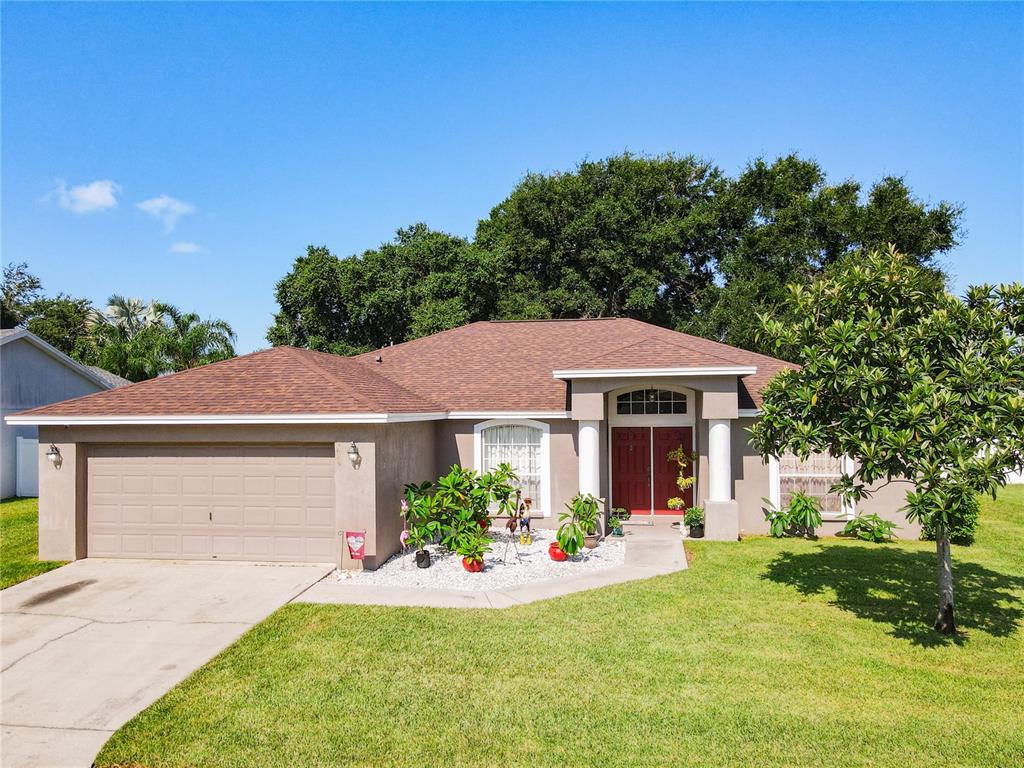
(870, 528)
(578, 521)
(421, 283)
(622, 513)
(914, 384)
(676, 503)
(20, 287)
(421, 516)
(962, 522)
(801, 518)
(131, 338)
(585, 509)
(669, 240)
(61, 321)
(454, 506)
(472, 543)
(694, 516)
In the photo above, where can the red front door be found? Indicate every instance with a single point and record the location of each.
(631, 468)
(666, 471)
(632, 475)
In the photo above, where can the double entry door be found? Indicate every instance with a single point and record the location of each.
(643, 476)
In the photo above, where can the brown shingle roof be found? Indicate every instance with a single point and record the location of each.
(282, 380)
(485, 366)
(508, 365)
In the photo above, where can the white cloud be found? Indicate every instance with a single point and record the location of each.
(186, 247)
(166, 209)
(93, 197)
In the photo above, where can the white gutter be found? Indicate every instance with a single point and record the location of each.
(509, 415)
(284, 418)
(637, 373)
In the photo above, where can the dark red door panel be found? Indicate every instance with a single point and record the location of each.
(665, 471)
(631, 468)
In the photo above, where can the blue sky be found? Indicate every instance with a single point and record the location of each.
(136, 133)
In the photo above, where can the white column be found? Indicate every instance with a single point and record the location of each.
(590, 465)
(719, 460)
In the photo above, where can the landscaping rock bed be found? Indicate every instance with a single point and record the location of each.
(447, 572)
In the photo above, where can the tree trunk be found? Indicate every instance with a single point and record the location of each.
(944, 622)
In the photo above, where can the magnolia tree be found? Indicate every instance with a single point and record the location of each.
(914, 384)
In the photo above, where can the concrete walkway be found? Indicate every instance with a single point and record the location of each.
(87, 646)
(650, 551)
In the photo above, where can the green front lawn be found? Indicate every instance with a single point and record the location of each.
(19, 542)
(764, 653)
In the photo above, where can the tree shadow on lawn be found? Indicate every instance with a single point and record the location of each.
(896, 587)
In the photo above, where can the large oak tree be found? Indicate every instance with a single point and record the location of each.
(670, 240)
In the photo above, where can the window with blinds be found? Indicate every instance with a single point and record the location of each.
(814, 476)
(519, 446)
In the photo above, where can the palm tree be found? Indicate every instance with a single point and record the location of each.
(130, 316)
(191, 341)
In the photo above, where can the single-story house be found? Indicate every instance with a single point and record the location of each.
(276, 454)
(34, 373)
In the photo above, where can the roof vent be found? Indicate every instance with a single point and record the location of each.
(378, 359)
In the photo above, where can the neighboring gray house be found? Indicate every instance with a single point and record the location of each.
(33, 373)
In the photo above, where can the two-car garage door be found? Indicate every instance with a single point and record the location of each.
(224, 502)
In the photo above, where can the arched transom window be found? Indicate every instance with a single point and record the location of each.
(521, 446)
(650, 401)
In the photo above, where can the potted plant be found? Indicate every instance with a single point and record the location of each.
(584, 510)
(569, 538)
(694, 518)
(472, 545)
(615, 526)
(622, 513)
(420, 511)
(676, 503)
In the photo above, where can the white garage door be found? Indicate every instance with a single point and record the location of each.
(223, 502)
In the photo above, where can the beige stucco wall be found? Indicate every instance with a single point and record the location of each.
(404, 454)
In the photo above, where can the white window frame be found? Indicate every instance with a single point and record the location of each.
(544, 458)
(849, 508)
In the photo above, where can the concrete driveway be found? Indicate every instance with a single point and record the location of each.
(87, 646)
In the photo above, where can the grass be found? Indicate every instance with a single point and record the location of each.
(764, 653)
(19, 542)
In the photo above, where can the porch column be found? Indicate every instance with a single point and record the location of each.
(589, 456)
(721, 512)
(719, 460)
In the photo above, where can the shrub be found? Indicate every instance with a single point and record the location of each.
(870, 528)
(801, 518)
(694, 516)
(964, 524)
(456, 504)
(580, 520)
(472, 544)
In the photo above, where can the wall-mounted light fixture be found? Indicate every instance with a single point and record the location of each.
(353, 454)
(53, 456)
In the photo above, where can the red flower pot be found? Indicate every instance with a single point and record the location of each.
(473, 566)
(485, 524)
(556, 552)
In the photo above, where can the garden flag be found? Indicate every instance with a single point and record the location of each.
(356, 541)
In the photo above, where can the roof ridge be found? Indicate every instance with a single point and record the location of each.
(706, 340)
(330, 376)
(657, 339)
(358, 365)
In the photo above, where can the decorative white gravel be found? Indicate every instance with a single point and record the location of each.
(502, 569)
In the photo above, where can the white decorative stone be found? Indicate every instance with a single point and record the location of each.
(446, 571)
